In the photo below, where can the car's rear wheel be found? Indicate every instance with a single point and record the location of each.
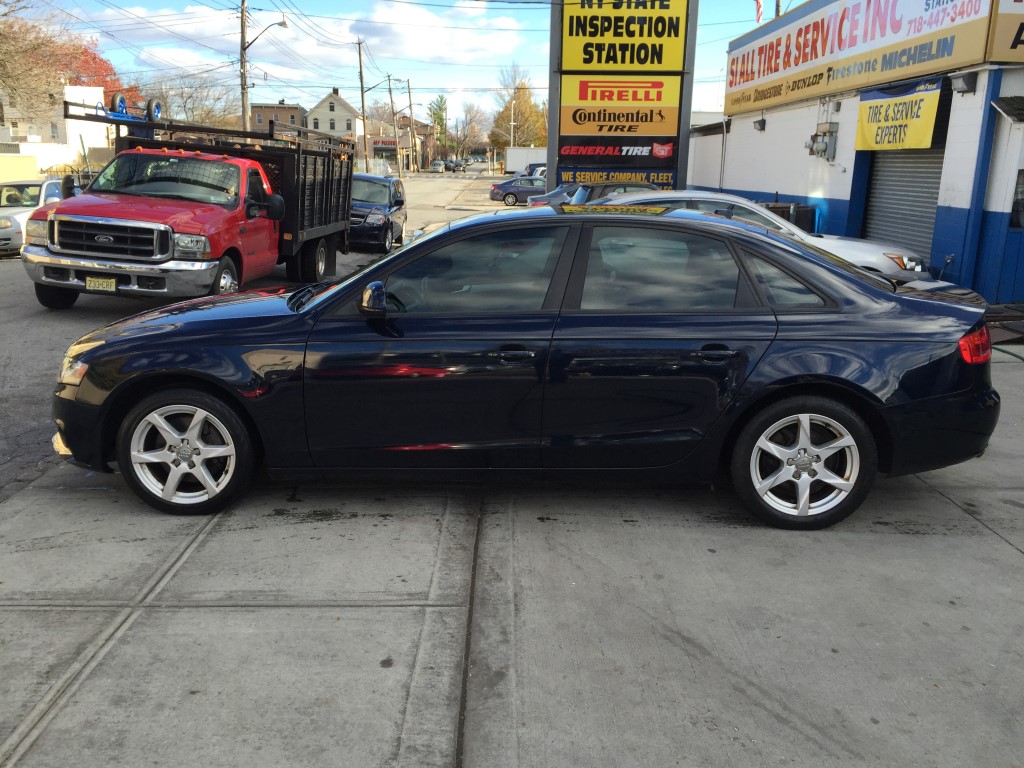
(185, 452)
(804, 463)
(226, 279)
(313, 261)
(510, 199)
(55, 297)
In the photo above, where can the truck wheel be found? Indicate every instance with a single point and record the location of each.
(226, 280)
(185, 452)
(153, 110)
(313, 261)
(54, 297)
(119, 104)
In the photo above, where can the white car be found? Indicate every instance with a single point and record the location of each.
(437, 166)
(17, 201)
(867, 254)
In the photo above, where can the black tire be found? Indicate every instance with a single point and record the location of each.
(226, 279)
(55, 297)
(196, 463)
(816, 486)
(400, 237)
(389, 240)
(118, 103)
(510, 199)
(154, 109)
(313, 261)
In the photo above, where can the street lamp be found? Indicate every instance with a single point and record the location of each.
(244, 66)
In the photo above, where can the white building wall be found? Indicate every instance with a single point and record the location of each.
(761, 163)
(704, 168)
(966, 112)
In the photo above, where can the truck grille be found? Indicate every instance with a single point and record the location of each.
(110, 238)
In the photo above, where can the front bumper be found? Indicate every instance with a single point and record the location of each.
(165, 279)
(79, 437)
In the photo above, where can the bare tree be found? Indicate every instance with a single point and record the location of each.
(199, 98)
(379, 111)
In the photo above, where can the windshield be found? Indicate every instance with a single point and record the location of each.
(366, 191)
(182, 178)
(19, 195)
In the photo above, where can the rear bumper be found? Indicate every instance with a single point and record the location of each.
(943, 432)
(166, 279)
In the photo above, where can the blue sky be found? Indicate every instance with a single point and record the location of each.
(457, 48)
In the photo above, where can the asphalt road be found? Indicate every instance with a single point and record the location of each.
(460, 626)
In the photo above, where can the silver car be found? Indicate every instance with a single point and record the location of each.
(17, 201)
(867, 254)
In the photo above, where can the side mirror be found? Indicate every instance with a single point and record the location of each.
(51, 199)
(67, 187)
(275, 208)
(399, 201)
(374, 300)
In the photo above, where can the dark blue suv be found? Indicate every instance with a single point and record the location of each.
(378, 213)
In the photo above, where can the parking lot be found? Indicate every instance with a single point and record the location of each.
(548, 624)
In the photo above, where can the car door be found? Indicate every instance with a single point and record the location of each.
(452, 375)
(259, 233)
(659, 330)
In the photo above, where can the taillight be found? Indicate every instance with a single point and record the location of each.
(976, 346)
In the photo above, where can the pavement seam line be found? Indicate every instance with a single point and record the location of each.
(32, 725)
(460, 739)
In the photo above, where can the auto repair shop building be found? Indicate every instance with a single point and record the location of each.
(896, 120)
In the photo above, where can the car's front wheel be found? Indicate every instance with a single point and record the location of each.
(804, 463)
(226, 279)
(389, 239)
(185, 452)
(510, 199)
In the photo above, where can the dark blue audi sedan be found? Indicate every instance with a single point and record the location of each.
(378, 212)
(670, 345)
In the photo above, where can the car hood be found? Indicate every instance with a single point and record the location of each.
(362, 205)
(855, 246)
(179, 215)
(21, 213)
(248, 313)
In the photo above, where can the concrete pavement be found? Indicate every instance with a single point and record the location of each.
(367, 625)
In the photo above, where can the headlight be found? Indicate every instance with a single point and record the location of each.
(72, 369)
(375, 218)
(905, 261)
(36, 231)
(6, 222)
(191, 247)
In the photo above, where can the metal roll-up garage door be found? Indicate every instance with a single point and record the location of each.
(902, 198)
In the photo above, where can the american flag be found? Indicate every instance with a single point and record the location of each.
(760, 7)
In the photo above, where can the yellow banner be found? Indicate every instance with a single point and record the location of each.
(887, 122)
(1006, 43)
(623, 35)
(824, 48)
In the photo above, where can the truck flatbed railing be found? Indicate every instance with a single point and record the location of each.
(180, 130)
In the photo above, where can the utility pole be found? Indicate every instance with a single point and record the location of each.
(414, 160)
(245, 75)
(394, 123)
(362, 96)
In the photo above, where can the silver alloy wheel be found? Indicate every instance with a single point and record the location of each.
(804, 464)
(182, 454)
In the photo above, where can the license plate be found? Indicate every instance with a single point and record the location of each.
(107, 284)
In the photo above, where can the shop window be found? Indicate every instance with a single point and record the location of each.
(1017, 212)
